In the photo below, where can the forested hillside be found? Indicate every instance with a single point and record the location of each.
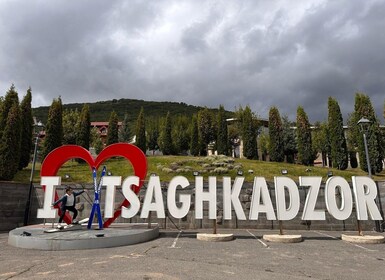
(100, 111)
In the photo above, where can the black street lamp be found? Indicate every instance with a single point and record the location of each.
(364, 124)
(38, 127)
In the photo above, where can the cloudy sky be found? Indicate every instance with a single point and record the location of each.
(260, 53)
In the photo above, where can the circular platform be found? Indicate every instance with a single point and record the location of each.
(365, 239)
(218, 237)
(285, 238)
(34, 237)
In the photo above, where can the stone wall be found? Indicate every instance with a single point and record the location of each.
(14, 197)
(13, 200)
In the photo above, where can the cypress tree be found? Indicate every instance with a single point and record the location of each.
(363, 108)
(70, 126)
(96, 141)
(181, 135)
(11, 97)
(321, 142)
(153, 136)
(125, 131)
(305, 148)
(26, 130)
(276, 147)
(54, 128)
(338, 147)
(289, 141)
(140, 132)
(205, 130)
(113, 127)
(249, 134)
(194, 142)
(222, 136)
(167, 143)
(84, 128)
(10, 144)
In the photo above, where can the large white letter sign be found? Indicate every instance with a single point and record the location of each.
(365, 192)
(283, 213)
(210, 196)
(184, 199)
(261, 194)
(231, 197)
(346, 198)
(131, 196)
(309, 212)
(47, 212)
(110, 182)
(153, 190)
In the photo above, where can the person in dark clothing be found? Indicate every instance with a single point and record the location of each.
(68, 203)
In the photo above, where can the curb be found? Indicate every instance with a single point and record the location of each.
(283, 238)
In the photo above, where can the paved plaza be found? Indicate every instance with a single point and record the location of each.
(179, 255)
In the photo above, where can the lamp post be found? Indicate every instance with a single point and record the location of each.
(38, 128)
(364, 124)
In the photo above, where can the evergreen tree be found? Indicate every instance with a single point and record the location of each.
(363, 109)
(264, 144)
(84, 128)
(10, 144)
(222, 137)
(289, 141)
(153, 136)
(249, 133)
(70, 125)
(194, 142)
(305, 148)
(26, 130)
(140, 131)
(205, 130)
(96, 141)
(180, 133)
(11, 97)
(339, 151)
(321, 141)
(276, 147)
(167, 143)
(125, 131)
(113, 129)
(54, 128)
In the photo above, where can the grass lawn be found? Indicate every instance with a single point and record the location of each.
(168, 167)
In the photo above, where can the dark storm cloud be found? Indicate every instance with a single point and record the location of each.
(257, 53)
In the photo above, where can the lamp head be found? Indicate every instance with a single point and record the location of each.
(364, 124)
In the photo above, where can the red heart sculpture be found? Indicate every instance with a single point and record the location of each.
(133, 154)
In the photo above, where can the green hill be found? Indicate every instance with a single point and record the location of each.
(101, 110)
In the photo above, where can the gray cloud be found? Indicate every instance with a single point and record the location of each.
(257, 53)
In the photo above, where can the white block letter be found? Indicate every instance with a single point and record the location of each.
(110, 182)
(47, 212)
(153, 190)
(210, 196)
(283, 213)
(184, 199)
(131, 196)
(365, 192)
(309, 212)
(231, 197)
(345, 210)
(261, 193)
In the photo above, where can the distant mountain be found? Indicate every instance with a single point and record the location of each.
(101, 110)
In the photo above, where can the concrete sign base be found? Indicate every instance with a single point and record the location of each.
(365, 239)
(282, 238)
(215, 237)
(34, 237)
